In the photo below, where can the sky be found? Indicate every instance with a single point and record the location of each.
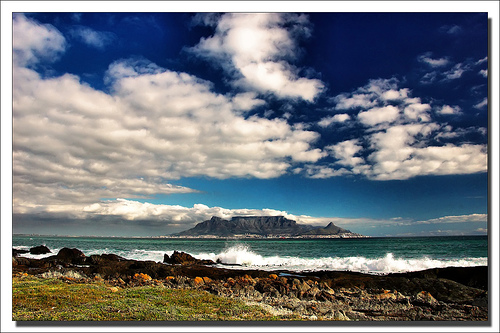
(146, 123)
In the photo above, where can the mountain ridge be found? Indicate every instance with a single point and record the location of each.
(262, 226)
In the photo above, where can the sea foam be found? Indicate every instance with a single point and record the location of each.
(242, 256)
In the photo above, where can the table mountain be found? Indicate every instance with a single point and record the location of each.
(261, 226)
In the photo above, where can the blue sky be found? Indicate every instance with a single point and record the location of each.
(148, 123)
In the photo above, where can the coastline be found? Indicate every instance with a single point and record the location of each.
(445, 294)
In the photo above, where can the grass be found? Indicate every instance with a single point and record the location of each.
(37, 299)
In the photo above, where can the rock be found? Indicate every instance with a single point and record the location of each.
(426, 298)
(113, 289)
(74, 275)
(481, 300)
(179, 258)
(41, 249)
(340, 315)
(142, 277)
(51, 275)
(70, 255)
(16, 252)
(20, 261)
(104, 259)
(198, 280)
(182, 258)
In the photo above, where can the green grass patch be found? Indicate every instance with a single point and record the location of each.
(52, 299)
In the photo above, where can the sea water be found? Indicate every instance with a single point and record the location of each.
(370, 255)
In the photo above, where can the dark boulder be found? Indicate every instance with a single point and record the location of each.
(70, 255)
(41, 249)
(104, 259)
(182, 258)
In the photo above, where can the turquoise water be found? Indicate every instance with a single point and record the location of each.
(380, 255)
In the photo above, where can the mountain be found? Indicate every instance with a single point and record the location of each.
(330, 229)
(262, 226)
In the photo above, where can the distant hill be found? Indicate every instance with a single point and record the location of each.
(330, 229)
(263, 226)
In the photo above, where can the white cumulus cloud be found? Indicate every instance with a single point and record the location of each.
(338, 118)
(257, 50)
(33, 41)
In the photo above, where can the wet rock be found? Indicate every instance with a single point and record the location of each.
(182, 258)
(68, 255)
(104, 259)
(41, 249)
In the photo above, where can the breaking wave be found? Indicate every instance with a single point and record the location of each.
(241, 256)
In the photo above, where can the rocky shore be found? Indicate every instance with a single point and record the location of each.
(445, 294)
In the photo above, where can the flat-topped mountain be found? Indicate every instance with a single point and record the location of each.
(263, 226)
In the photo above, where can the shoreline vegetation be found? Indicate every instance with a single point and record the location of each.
(71, 286)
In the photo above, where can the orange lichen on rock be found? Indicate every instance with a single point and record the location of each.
(142, 276)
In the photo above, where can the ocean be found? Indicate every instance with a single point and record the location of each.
(368, 255)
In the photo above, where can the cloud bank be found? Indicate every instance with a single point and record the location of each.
(159, 218)
(73, 143)
(401, 137)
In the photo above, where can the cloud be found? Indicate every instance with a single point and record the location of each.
(346, 101)
(338, 118)
(471, 218)
(75, 144)
(132, 210)
(323, 172)
(445, 70)
(33, 42)
(246, 101)
(93, 38)
(451, 29)
(482, 104)
(481, 61)
(417, 111)
(123, 216)
(449, 110)
(400, 138)
(256, 51)
(396, 156)
(425, 58)
(345, 152)
(456, 72)
(386, 114)
(483, 73)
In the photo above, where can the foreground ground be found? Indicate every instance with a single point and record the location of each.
(44, 299)
(71, 286)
